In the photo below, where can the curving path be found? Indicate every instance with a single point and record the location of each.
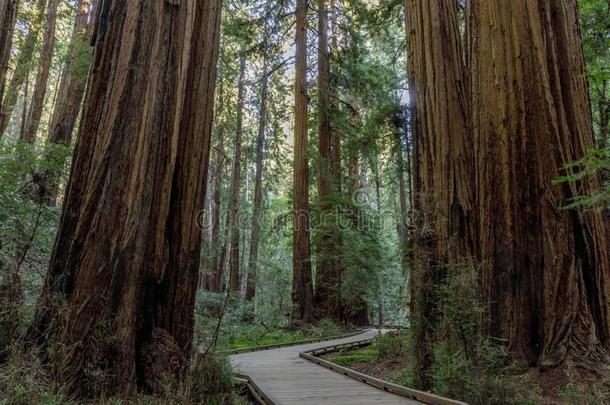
(288, 379)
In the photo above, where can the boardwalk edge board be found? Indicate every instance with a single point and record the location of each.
(259, 395)
(288, 344)
(387, 386)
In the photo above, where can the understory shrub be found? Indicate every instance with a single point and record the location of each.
(467, 365)
(23, 380)
(392, 346)
(208, 381)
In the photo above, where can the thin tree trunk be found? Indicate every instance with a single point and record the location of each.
(8, 19)
(126, 258)
(71, 91)
(22, 67)
(302, 286)
(382, 287)
(356, 313)
(445, 197)
(547, 268)
(234, 277)
(404, 211)
(24, 107)
(219, 258)
(257, 209)
(206, 224)
(42, 77)
(603, 105)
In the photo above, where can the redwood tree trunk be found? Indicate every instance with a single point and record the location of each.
(547, 269)
(234, 277)
(71, 91)
(42, 77)
(8, 18)
(445, 193)
(403, 235)
(257, 209)
(217, 266)
(356, 312)
(302, 287)
(126, 258)
(22, 67)
(327, 297)
(219, 258)
(603, 105)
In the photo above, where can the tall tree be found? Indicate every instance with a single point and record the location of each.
(42, 77)
(547, 268)
(218, 257)
(8, 18)
(603, 105)
(327, 296)
(234, 277)
(302, 286)
(70, 95)
(444, 159)
(126, 258)
(356, 311)
(403, 187)
(23, 65)
(257, 208)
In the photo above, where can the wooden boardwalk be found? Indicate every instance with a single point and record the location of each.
(288, 379)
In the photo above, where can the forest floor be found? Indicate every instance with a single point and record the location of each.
(366, 361)
(386, 359)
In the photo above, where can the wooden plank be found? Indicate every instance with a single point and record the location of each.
(425, 397)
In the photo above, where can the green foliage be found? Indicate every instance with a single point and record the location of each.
(27, 232)
(393, 346)
(388, 347)
(208, 381)
(239, 330)
(467, 365)
(365, 355)
(595, 32)
(24, 381)
(596, 164)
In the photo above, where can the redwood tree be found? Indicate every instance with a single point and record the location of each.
(547, 267)
(327, 296)
(42, 76)
(218, 255)
(22, 65)
(257, 208)
(70, 95)
(302, 287)
(444, 192)
(234, 279)
(8, 18)
(118, 300)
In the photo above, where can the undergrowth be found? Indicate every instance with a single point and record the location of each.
(348, 358)
(467, 365)
(388, 347)
(240, 329)
(23, 380)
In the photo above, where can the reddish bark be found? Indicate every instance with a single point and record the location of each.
(42, 76)
(8, 18)
(302, 286)
(126, 257)
(547, 268)
(234, 273)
